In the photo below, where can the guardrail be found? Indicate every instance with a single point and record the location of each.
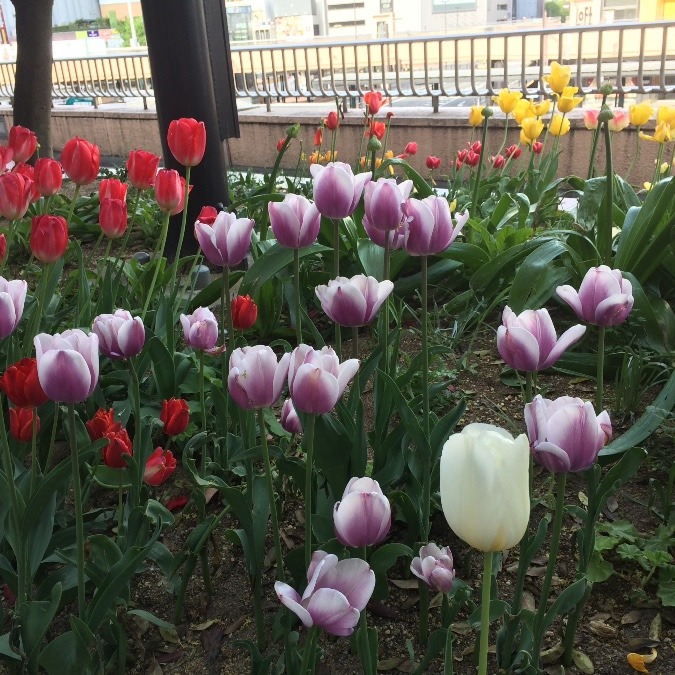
(639, 58)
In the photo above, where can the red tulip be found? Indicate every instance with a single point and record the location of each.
(332, 122)
(15, 195)
(177, 502)
(498, 161)
(48, 237)
(433, 162)
(21, 385)
(187, 140)
(513, 151)
(175, 415)
(373, 100)
(461, 156)
(113, 218)
(23, 141)
(537, 147)
(318, 137)
(280, 144)
(476, 147)
(101, 423)
(28, 172)
(142, 169)
(168, 189)
(6, 158)
(378, 129)
(207, 215)
(48, 176)
(21, 423)
(181, 204)
(160, 465)
(112, 188)
(81, 160)
(244, 312)
(119, 444)
(411, 148)
(472, 158)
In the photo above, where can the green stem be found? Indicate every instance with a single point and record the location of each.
(448, 666)
(17, 514)
(308, 651)
(384, 340)
(296, 278)
(600, 378)
(33, 456)
(427, 470)
(550, 569)
(50, 452)
(77, 506)
(158, 262)
(137, 447)
(226, 318)
(120, 511)
(10, 238)
(474, 198)
(270, 489)
(605, 232)
(423, 632)
(76, 194)
(528, 387)
(636, 155)
(181, 236)
(366, 659)
(657, 167)
(594, 150)
(485, 614)
(336, 274)
(506, 132)
(309, 473)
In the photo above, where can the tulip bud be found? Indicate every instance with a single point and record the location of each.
(537, 147)
(374, 144)
(332, 122)
(256, 376)
(295, 221)
(48, 237)
(373, 101)
(433, 162)
(119, 444)
(244, 312)
(120, 335)
(498, 162)
(363, 517)
(411, 148)
(168, 189)
(81, 160)
(21, 423)
(606, 114)
(353, 302)
(200, 329)
(48, 176)
(318, 137)
(12, 299)
(16, 192)
(112, 218)
(281, 144)
(187, 140)
(112, 188)
(23, 142)
(607, 89)
(175, 415)
(434, 566)
(293, 131)
(289, 418)
(142, 169)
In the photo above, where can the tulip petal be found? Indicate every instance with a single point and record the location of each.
(314, 390)
(518, 347)
(290, 598)
(348, 370)
(613, 310)
(64, 376)
(566, 340)
(552, 457)
(331, 611)
(353, 578)
(574, 429)
(571, 297)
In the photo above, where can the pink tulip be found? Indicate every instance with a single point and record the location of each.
(12, 299)
(396, 237)
(226, 242)
(591, 119)
(289, 418)
(529, 342)
(256, 376)
(604, 298)
(353, 302)
(434, 566)
(67, 365)
(317, 379)
(620, 120)
(336, 593)
(337, 190)
(384, 202)
(120, 335)
(295, 221)
(430, 229)
(200, 329)
(363, 517)
(565, 434)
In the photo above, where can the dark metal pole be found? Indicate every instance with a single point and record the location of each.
(182, 77)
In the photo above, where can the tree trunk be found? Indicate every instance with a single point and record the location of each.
(33, 87)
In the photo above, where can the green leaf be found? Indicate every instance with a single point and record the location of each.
(36, 617)
(149, 616)
(590, 201)
(211, 294)
(422, 188)
(599, 569)
(162, 368)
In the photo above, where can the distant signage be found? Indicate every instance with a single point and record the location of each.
(92, 33)
(439, 6)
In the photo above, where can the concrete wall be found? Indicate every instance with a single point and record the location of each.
(440, 134)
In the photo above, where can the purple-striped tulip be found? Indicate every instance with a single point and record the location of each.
(317, 379)
(226, 242)
(120, 335)
(200, 329)
(289, 418)
(434, 566)
(336, 593)
(604, 298)
(256, 377)
(383, 201)
(566, 434)
(12, 299)
(353, 302)
(67, 364)
(363, 517)
(336, 189)
(396, 237)
(528, 341)
(295, 221)
(430, 229)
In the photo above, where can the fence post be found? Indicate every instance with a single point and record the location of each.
(435, 102)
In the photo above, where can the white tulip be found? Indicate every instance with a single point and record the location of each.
(485, 486)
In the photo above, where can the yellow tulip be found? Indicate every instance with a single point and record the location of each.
(559, 125)
(647, 186)
(507, 100)
(476, 115)
(523, 110)
(453, 205)
(664, 167)
(662, 134)
(542, 108)
(530, 129)
(666, 113)
(567, 100)
(640, 113)
(559, 77)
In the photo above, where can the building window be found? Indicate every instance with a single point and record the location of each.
(386, 6)
(502, 7)
(346, 24)
(346, 5)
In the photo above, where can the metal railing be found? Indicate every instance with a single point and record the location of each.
(638, 58)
